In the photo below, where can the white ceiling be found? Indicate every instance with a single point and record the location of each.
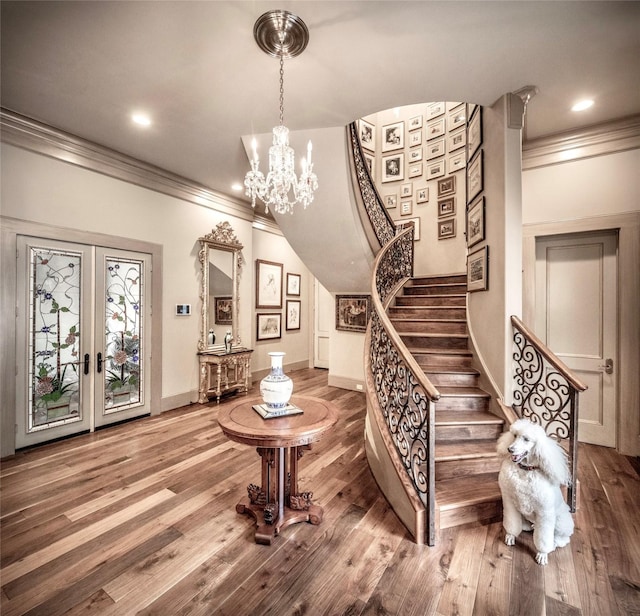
(194, 67)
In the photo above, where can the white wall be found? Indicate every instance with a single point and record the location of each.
(603, 185)
(295, 343)
(40, 189)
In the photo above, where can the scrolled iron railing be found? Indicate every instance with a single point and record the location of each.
(546, 393)
(383, 227)
(405, 396)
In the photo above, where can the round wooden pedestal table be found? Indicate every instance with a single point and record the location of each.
(280, 442)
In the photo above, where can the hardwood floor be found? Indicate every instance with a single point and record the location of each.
(140, 519)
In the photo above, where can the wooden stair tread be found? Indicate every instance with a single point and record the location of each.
(424, 320)
(439, 351)
(470, 392)
(468, 490)
(440, 369)
(465, 450)
(431, 335)
(456, 418)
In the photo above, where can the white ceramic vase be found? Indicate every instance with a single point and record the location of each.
(276, 387)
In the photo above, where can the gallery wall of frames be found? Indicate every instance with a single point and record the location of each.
(427, 164)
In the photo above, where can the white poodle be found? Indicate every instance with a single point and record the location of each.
(533, 469)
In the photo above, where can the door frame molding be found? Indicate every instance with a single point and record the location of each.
(10, 228)
(628, 228)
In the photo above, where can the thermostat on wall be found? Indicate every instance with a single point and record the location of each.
(183, 310)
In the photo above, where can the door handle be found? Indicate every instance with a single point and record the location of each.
(608, 366)
(86, 363)
(99, 362)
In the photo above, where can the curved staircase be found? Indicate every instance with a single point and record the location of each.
(429, 314)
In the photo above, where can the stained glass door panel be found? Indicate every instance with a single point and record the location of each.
(54, 288)
(83, 329)
(122, 335)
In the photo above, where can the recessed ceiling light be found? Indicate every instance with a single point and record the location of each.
(582, 105)
(237, 187)
(142, 119)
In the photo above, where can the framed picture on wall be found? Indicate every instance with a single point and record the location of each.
(475, 222)
(446, 207)
(268, 284)
(223, 307)
(269, 326)
(458, 161)
(474, 177)
(415, 170)
(436, 169)
(352, 312)
(415, 122)
(415, 155)
(478, 270)
(393, 136)
(406, 189)
(393, 168)
(367, 133)
(436, 128)
(422, 195)
(293, 284)
(446, 228)
(447, 186)
(457, 117)
(406, 208)
(474, 132)
(293, 314)
(435, 149)
(415, 138)
(390, 201)
(434, 110)
(456, 140)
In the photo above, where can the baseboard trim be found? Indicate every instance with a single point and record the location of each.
(169, 403)
(346, 383)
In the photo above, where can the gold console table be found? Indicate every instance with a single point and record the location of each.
(222, 372)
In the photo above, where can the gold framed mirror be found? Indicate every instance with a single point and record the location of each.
(221, 263)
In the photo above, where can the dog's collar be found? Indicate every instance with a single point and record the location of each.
(526, 467)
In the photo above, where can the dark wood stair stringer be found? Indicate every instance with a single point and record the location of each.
(429, 314)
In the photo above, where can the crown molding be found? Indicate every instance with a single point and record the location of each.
(608, 138)
(34, 136)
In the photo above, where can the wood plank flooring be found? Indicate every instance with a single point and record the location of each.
(140, 519)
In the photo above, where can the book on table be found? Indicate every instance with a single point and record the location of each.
(268, 413)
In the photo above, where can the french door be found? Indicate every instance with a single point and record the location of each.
(577, 318)
(83, 338)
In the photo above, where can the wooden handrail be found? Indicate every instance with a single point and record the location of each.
(429, 388)
(553, 359)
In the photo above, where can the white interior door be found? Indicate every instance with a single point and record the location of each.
(83, 324)
(323, 322)
(577, 318)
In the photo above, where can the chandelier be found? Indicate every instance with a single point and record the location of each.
(282, 35)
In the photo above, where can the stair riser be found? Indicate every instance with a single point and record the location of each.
(424, 300)
(434, 342)
(454, 279)
(474, 432)
(421, 312)
(429, 327)
(462, 403)
(453, 289)
(452, 379)
(459, 468)
(482, 512)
